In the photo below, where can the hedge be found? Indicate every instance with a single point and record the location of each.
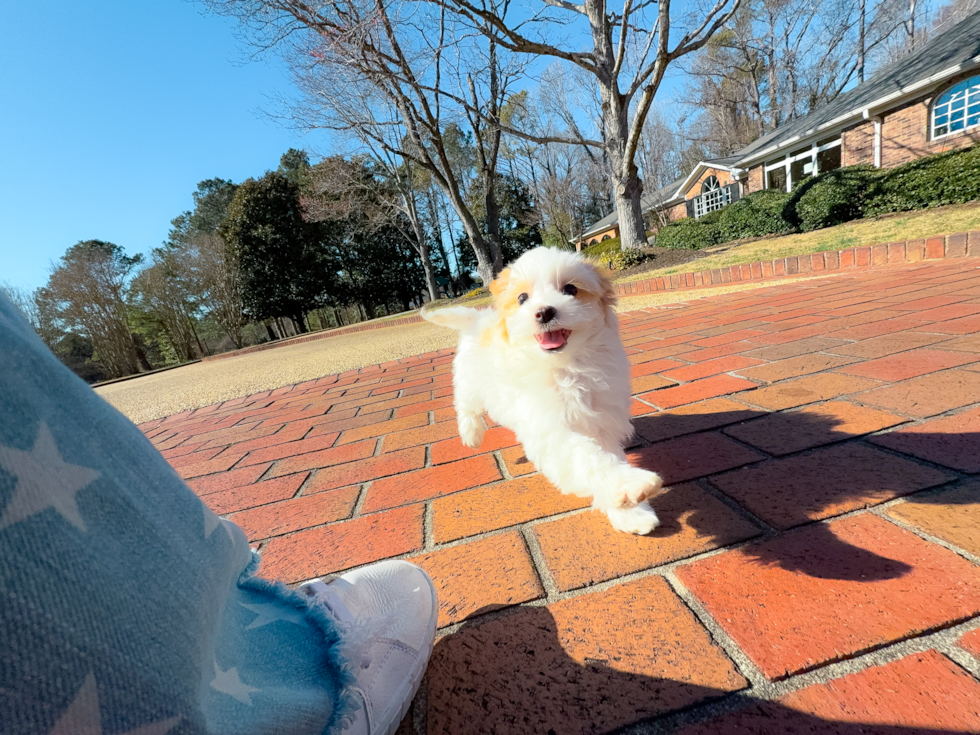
(757, 214)
(832, 198)
(946, 178)
(689, 234)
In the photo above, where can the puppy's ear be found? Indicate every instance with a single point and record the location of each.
(498, 329)
(499, 284)
(606, 290)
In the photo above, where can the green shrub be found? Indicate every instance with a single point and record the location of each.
(833, 198)
(631, 257)
(603, 250)
(689, 234)
(760, 213)
(946, 178)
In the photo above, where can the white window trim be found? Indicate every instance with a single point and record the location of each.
(787, 162)
(966, 106)
(722, 193)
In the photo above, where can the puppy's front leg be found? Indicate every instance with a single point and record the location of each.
(469, 413)
(578, 465)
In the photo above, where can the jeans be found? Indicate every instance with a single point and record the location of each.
(126, 606)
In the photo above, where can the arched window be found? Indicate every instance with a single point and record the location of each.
(713, 196)
(606, 237)
(956, 109)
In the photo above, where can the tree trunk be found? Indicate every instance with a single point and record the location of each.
(862, 41)
(493, 220)
(299, 323)
(484, 258)
(200, 345)
(424, 255)
(268, 328)
(430, 276)
(632, 231)
(627, 185)
(141, 356)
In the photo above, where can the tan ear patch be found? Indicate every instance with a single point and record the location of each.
(606, 291)
(499, 284)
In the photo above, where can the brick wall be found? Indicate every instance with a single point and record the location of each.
(905, 131)
(678, 211)
(724, 178)
(613, 232)
(858, 144)
(904, 134)
(755, 182)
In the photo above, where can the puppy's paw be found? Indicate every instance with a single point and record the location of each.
(639, 519)
(471, 431)
(635, 486)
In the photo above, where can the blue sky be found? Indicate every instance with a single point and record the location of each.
(111, 113)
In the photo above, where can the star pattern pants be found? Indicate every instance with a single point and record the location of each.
(126, 606)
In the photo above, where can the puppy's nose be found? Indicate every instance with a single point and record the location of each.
(546, 314)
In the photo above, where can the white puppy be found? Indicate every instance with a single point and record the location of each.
(547, 363)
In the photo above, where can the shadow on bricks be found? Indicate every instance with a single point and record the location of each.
(513, 674)
(789, 470)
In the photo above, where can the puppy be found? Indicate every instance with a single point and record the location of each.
(547, 363)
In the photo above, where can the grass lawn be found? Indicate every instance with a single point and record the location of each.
(859, 233)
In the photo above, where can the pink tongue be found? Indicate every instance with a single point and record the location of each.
(552, 340)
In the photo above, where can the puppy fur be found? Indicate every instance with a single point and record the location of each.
(547, 362)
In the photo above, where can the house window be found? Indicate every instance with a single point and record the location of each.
(713, 196)
(958, 108)
(785, 172)
(828, 159)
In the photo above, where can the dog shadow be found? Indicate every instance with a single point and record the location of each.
(514, 673)
(827, 556)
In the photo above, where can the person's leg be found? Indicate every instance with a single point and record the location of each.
(126, 606)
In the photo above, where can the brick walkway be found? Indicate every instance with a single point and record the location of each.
(817, 562)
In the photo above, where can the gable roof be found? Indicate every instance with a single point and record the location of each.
(656, 198)
(956, 50)
(727, 163)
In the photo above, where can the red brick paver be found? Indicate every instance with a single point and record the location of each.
(921, 693)
(829, 591)
(820, 441)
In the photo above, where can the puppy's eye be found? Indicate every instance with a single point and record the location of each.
(521, 299)
(569, 289)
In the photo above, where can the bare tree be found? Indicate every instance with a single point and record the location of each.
(777, 60)
(952, 13)
(25, 302)
(213, 267)
(339, 189)
(161, 295)
(628, 56)
(88, 290)
(395, 73)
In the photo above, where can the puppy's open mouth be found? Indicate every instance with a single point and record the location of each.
(554, 340)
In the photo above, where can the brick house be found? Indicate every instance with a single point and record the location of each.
(923, 104)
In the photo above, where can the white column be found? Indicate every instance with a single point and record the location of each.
(877, 122)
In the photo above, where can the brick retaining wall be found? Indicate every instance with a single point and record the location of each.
(959, 245)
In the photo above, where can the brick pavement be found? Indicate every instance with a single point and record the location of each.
(817, 566)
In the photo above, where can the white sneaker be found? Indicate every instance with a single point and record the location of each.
(388, 612)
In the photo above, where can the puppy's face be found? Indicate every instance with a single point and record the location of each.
(551, 300)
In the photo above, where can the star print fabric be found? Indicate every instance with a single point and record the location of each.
(126, 606)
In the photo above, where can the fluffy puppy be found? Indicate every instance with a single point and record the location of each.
(547, 363)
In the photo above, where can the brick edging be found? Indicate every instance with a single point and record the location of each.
(318, 335)
(958, 245)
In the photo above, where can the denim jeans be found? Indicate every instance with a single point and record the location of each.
(126, 606)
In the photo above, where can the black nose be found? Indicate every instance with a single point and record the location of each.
(546, 314)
